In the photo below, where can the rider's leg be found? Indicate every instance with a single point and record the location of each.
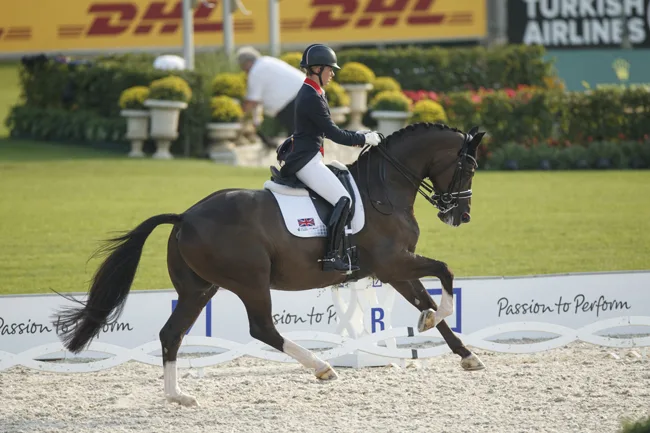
(321, 179)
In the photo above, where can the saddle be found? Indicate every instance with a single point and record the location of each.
(323, 207)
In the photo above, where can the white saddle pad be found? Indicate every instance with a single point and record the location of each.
(300, 214)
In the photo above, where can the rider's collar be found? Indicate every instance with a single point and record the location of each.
(314, 85)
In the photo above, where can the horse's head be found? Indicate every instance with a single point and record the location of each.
(451, 174)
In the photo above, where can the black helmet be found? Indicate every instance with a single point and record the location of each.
(318, 54)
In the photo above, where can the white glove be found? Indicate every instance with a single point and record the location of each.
(372, 138)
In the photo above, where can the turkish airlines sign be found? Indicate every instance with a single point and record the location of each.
(579, 23)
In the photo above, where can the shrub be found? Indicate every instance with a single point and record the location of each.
(456, 69)
(225, 109)
(428, 111)
(293, 58)
(336, 95)
(229, 84)
(133, 98)
(390, 100)
(380, 84)
(171, 88)
(355, 73)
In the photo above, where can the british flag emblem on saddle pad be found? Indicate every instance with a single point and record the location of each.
(306, 222)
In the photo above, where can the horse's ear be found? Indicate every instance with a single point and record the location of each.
(476, 140)
(473, 131)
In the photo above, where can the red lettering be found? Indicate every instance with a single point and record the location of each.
(156, 13)
(202, 13)
(104, 25)
(424, 6)
(325, 19)
(381, 6)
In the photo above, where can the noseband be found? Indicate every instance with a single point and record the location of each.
(444, 201)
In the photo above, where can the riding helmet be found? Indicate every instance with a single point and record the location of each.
(317, 55)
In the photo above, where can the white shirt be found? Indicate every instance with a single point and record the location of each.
(274, 83)
(169, 62)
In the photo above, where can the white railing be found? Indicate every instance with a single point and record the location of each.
(341, 346)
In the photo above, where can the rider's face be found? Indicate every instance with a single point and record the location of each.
(328, 74)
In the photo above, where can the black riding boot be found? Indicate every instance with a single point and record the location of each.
(336, 231)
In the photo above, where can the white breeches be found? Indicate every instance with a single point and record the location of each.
(321, 179)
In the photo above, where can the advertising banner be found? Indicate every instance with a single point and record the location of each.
(579, 23)
(591, 69)
(39, 26)
(572, 301)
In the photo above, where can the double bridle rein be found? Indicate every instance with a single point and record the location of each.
(444, 201)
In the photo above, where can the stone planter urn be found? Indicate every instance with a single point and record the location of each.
(137, 130)
(390, 121)
(338, 114)
(164, 124)
(358, 104)
(221, 135)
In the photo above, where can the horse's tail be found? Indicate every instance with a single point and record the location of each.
(110, 286)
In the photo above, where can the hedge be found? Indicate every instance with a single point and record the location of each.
(456, 69)
(91, 90)
(515, 100)
(531, 115)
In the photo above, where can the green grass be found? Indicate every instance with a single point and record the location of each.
(58, 202)
(9, 92)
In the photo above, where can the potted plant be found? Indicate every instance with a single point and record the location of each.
(234, 85)
(137, 117)
(381, 84)
(426, 110)
(167, 97)
(225, 123)
(338, 100)
(229, 84)
(356, 78)
(391, 108)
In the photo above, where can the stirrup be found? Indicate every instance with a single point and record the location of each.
(336, 263)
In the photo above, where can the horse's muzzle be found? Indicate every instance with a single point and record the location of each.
(465, 218)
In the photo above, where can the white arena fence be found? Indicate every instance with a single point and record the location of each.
(358, 324)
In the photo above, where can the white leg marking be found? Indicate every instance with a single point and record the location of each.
(472, 363)
(446, 307)
(173, 392)
(322, 369)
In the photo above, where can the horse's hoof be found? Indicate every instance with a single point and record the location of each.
(183, 400)
(427, 320)
(327, 373)
(472, 363)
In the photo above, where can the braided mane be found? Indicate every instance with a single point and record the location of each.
(419, 127)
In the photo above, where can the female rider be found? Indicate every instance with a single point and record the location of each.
(305, 158)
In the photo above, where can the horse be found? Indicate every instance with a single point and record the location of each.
(238, 239)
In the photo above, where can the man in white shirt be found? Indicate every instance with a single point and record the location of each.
(272, 83)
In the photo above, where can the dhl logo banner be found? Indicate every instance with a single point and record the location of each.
(35, 26)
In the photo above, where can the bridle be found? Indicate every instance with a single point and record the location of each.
(444, 201)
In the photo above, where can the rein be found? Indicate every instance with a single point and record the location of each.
(445, 201)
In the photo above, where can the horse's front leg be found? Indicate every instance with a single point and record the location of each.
(411, 267)
(414, 292)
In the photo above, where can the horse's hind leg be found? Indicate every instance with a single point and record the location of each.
(193, 294)
(258, 308)
(415, 292)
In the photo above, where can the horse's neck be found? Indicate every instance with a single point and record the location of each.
(377, 179)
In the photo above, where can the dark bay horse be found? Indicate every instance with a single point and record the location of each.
(236, 239)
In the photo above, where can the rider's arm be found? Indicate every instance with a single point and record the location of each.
(324, 122)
